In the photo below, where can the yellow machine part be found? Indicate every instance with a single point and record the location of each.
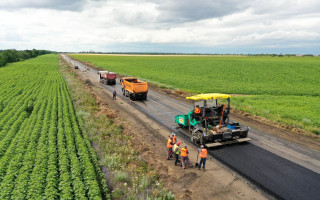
(209, 96)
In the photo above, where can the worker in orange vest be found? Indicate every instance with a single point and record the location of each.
(203, 157)
(184, 157)
(197, 110)
(174, 138)
(169, 146)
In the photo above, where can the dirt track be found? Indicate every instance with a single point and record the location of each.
(223, 183)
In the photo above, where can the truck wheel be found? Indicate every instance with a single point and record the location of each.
(123, 92)
(144, 97)
(133, 97)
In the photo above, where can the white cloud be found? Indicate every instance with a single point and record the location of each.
(112, 25)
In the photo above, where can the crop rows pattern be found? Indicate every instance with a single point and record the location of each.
(43, 152)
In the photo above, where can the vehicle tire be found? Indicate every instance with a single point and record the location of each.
(123, 92)
(144, 97)
(194, 141)
(133, 97)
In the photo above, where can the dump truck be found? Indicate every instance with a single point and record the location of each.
(208, 121)
(134, 89)
(107, 78)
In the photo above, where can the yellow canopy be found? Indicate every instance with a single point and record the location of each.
(209, 96)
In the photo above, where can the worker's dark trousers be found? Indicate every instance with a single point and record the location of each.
(169, 152)
(176, 156)
(203, 161)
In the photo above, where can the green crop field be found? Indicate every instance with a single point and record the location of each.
(43, 153)
(283, 89)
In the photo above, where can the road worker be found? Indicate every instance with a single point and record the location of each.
(197, 110)
(184, 157)
(114, 94)
(169, 146)
(174, 138)
(203, 157)
(176, 151)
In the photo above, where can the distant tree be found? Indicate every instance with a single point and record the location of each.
(12, 55)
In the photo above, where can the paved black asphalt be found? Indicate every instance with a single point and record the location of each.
(277, 176)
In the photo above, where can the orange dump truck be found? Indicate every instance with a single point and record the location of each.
(108, 78)
(134, 88)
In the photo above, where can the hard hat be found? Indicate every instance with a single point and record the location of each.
(172, 133)
(178, 143)
(202, 146)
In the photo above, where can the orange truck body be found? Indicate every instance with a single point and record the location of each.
(134, 88)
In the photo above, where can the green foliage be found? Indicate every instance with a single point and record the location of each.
(12, 55)
(43, 153)
(279, 84)
(297, 111)
(232, 75)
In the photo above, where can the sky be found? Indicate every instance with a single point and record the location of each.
(167, 26)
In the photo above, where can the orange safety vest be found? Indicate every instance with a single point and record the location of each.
(184, 152)
(197, 110)
(174, 139)
(203, 153)
(169, 145)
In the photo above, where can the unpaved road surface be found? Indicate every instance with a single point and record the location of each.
(283, 169)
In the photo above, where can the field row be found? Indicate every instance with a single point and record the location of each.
(43, 153)
(232, 75)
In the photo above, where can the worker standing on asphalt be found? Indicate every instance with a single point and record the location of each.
(174, 138)
(114, 94)
(184, 157)
(169, 146)
(203, 157)
(176, 151)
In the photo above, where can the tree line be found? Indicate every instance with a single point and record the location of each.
(13, 55)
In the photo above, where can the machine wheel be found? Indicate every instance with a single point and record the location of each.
(196, 138)
(123, 92)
